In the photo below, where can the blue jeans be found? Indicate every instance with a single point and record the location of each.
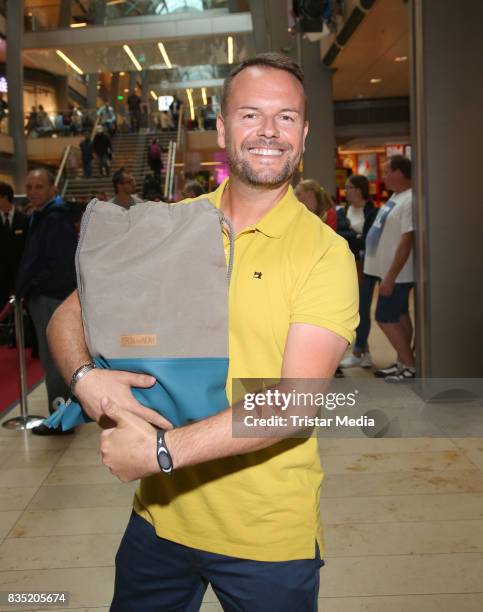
(366, 290)
(157, 575)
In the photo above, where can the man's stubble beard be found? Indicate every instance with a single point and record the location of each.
(241, 168)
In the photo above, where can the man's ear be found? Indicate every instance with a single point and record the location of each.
(306, 129)
(220, 128)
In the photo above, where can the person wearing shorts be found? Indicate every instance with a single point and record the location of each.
(389, 259)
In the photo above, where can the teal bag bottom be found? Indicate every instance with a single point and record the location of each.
(185, 390)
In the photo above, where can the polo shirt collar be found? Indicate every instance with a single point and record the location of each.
(276, 221)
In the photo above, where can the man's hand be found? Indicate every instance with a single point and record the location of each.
(387, 286)
(128, 449)
(116, 386)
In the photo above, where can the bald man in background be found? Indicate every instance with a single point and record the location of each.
(46, 274)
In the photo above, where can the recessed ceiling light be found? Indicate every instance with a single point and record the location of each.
(230, 49)
(401, 58)
(132, 57)
(68, 61)
(81, 24)
(122, 73)
(375, 81)
(163, 52)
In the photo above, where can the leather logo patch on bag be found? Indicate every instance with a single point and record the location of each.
(139, 340)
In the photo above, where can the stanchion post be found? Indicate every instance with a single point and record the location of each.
(24, 421)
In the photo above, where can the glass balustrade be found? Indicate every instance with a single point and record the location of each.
(49, 14)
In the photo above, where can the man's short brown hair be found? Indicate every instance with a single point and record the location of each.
(276, 61)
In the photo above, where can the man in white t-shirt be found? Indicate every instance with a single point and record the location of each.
(389, 257)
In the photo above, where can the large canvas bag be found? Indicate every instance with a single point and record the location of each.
(153, 288)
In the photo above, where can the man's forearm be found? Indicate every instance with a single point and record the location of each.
(65, 334)
(210, 439)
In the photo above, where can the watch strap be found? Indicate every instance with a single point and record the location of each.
(80, 373)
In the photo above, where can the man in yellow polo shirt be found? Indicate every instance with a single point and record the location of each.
(239, 513)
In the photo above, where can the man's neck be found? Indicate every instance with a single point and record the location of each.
(402, 188)
(244, 204)
(123, 199)
(5, 209)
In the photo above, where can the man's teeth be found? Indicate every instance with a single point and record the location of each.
(273, 152)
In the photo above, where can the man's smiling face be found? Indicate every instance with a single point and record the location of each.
(264, 126)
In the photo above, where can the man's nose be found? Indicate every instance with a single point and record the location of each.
(268, 128)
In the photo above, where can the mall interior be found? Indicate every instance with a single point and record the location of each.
(402, 513)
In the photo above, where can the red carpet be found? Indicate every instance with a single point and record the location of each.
(9, 375)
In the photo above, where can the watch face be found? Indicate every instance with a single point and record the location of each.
(164, 460)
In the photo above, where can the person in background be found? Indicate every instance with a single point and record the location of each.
(44, 124)
(193, 189)
(107, 118)
(151, 188)
(32, 125)
(46, 274)
(209, 116)
(360, 213)
(125, 189)
(103, 149)
(389, 258)
(154, 159)
(13, 233)
(165, 121)
(134, 105)
(101, 195)
(87, 152)
(76, 126)
(3, 109)
(318, 201)
(175, 108)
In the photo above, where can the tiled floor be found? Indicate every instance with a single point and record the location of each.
(403, 519)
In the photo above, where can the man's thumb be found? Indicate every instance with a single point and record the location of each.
(110, 409)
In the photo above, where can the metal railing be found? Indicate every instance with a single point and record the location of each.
(24, 421)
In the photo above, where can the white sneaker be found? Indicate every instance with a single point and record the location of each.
(366, 361)
(351, 361)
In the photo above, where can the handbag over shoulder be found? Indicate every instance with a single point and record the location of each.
(153, 287)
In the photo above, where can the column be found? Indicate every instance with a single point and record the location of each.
(62, 92)
(65, 13)
(91, 86)
(133, 79)
(15, 28)
(320, 147)
(447, 98)
(114, 89)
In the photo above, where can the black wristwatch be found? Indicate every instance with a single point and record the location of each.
(164, 458)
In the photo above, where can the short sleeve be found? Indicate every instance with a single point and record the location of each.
(407, 216)
(329, 296)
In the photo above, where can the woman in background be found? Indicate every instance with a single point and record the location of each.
(318, 201)
(360, 213)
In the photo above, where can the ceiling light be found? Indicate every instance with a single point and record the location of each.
(192, 106)
(401, 58)
(126, 90)
(203, 95)
(230, 49)
(375, 81)
(113, 2)
(122, 73)
(69, 61)
(132, 57)
(165, 55)
(81, 24)
(153, 95)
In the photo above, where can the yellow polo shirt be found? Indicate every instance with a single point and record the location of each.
(263, 505)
